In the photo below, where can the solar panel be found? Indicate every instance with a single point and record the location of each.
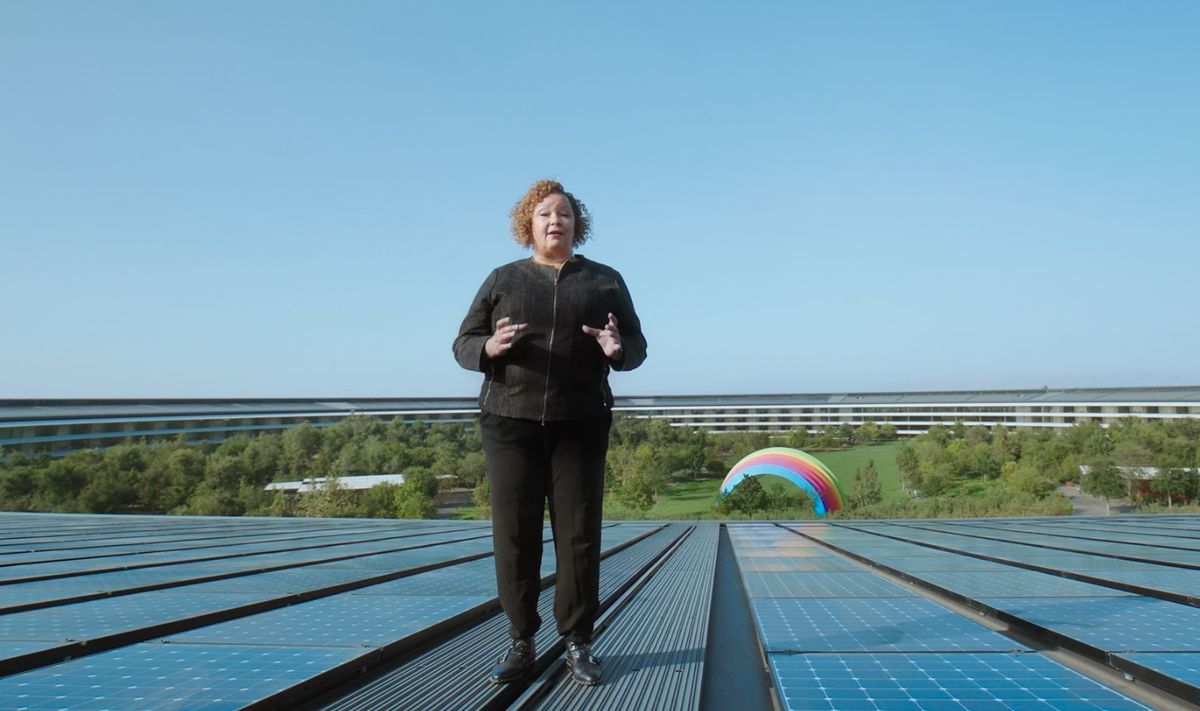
(813, 607)
(474, 578)
(160, 677)
(98, 618)
(946, 562)
(1014, 583)
(782, 564)
(1130, 623)
(81, 585)
(1184, 666)
(282, 582)
(832, 585)
(1067, 534)
(880, 625)
(978, 682)
(1184, 582)
(341, 620)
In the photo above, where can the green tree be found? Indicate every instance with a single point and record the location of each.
(212, 498)
(17, 485)
(637, 490)
(331, 499)
(797, 438)
(262, 459)
(482, 495)
(909, 465)
(417, 496)
(866, 489)
(1028, 479)
(59, 483)
(413, 500)
(1173, 482)
(747, 497)
(1104, 479)
(301, 447)
(378, 502)
(638, 475)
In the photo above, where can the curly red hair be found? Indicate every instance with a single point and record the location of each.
(521, 216)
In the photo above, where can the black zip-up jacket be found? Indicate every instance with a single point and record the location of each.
(554, 371)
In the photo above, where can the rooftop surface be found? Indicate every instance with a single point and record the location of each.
(132, 612)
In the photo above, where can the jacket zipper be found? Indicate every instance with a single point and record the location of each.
(550, 348)
(491, 380)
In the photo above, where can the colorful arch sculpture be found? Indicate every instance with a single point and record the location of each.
(795, 466)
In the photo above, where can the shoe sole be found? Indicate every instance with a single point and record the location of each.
(498, 681)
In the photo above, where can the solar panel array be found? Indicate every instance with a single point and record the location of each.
(129, 612)
(886, 647)
(247, 631)
(1117, 590)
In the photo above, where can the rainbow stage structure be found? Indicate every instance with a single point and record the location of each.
(795, 466)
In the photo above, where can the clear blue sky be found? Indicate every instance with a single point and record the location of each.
(223, 199)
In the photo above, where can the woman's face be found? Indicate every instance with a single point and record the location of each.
(553, 227)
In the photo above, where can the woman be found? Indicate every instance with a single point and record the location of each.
(545, 331)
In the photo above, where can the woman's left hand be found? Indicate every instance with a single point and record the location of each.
(608, 337)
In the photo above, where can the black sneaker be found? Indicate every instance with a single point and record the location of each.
(516, 661)
(584, 667)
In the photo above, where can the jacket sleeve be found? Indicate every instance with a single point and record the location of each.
(476, 328)
(633, 343)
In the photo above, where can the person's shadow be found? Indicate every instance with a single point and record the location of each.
(617, 666)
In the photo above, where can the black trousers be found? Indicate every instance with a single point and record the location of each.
(528, 463)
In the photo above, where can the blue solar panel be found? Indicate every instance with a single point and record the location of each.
(341, 620)
(474, 578)
(879, 625)
(13, 648)
(1015, 583)
(946, 562)
(1184, 666)
(402, 560)
(1067, 533)
(975, 682)
(282, 582)
(253, 561)
(1131, 623)
(59, 588)
(192, 547)
(1087, 546)
(161, 677)
(1183, 582)
(783, 564)
(833, 585)
(97, 618)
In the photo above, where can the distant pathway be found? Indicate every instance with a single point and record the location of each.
(1086, 505)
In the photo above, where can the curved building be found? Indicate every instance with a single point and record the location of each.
(60, 426)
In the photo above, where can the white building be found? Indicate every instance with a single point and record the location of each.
(60, 426)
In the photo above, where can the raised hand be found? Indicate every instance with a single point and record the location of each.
(608, 337)
(505, 336)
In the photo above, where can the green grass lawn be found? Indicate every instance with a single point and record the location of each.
(694, 497)
(844, 462)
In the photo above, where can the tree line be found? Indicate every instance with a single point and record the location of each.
(949, 471)
(229, 479)
(1025, 466)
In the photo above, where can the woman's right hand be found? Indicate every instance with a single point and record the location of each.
(505, 336)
